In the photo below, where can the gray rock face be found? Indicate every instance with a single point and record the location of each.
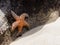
(3, 22)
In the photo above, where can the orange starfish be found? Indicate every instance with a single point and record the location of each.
(20, 21)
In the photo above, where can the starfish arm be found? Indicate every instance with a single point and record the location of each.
(23, 15)
(26, 24)
(15, 15)
(20, 29)
(14, 25)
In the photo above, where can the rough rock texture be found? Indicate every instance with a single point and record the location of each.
(39, 13)
(3, 23)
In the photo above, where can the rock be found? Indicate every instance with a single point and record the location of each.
(3, 23)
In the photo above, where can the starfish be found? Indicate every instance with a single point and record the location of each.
(20, 21)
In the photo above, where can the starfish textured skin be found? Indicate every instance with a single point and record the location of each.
(20, 22)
